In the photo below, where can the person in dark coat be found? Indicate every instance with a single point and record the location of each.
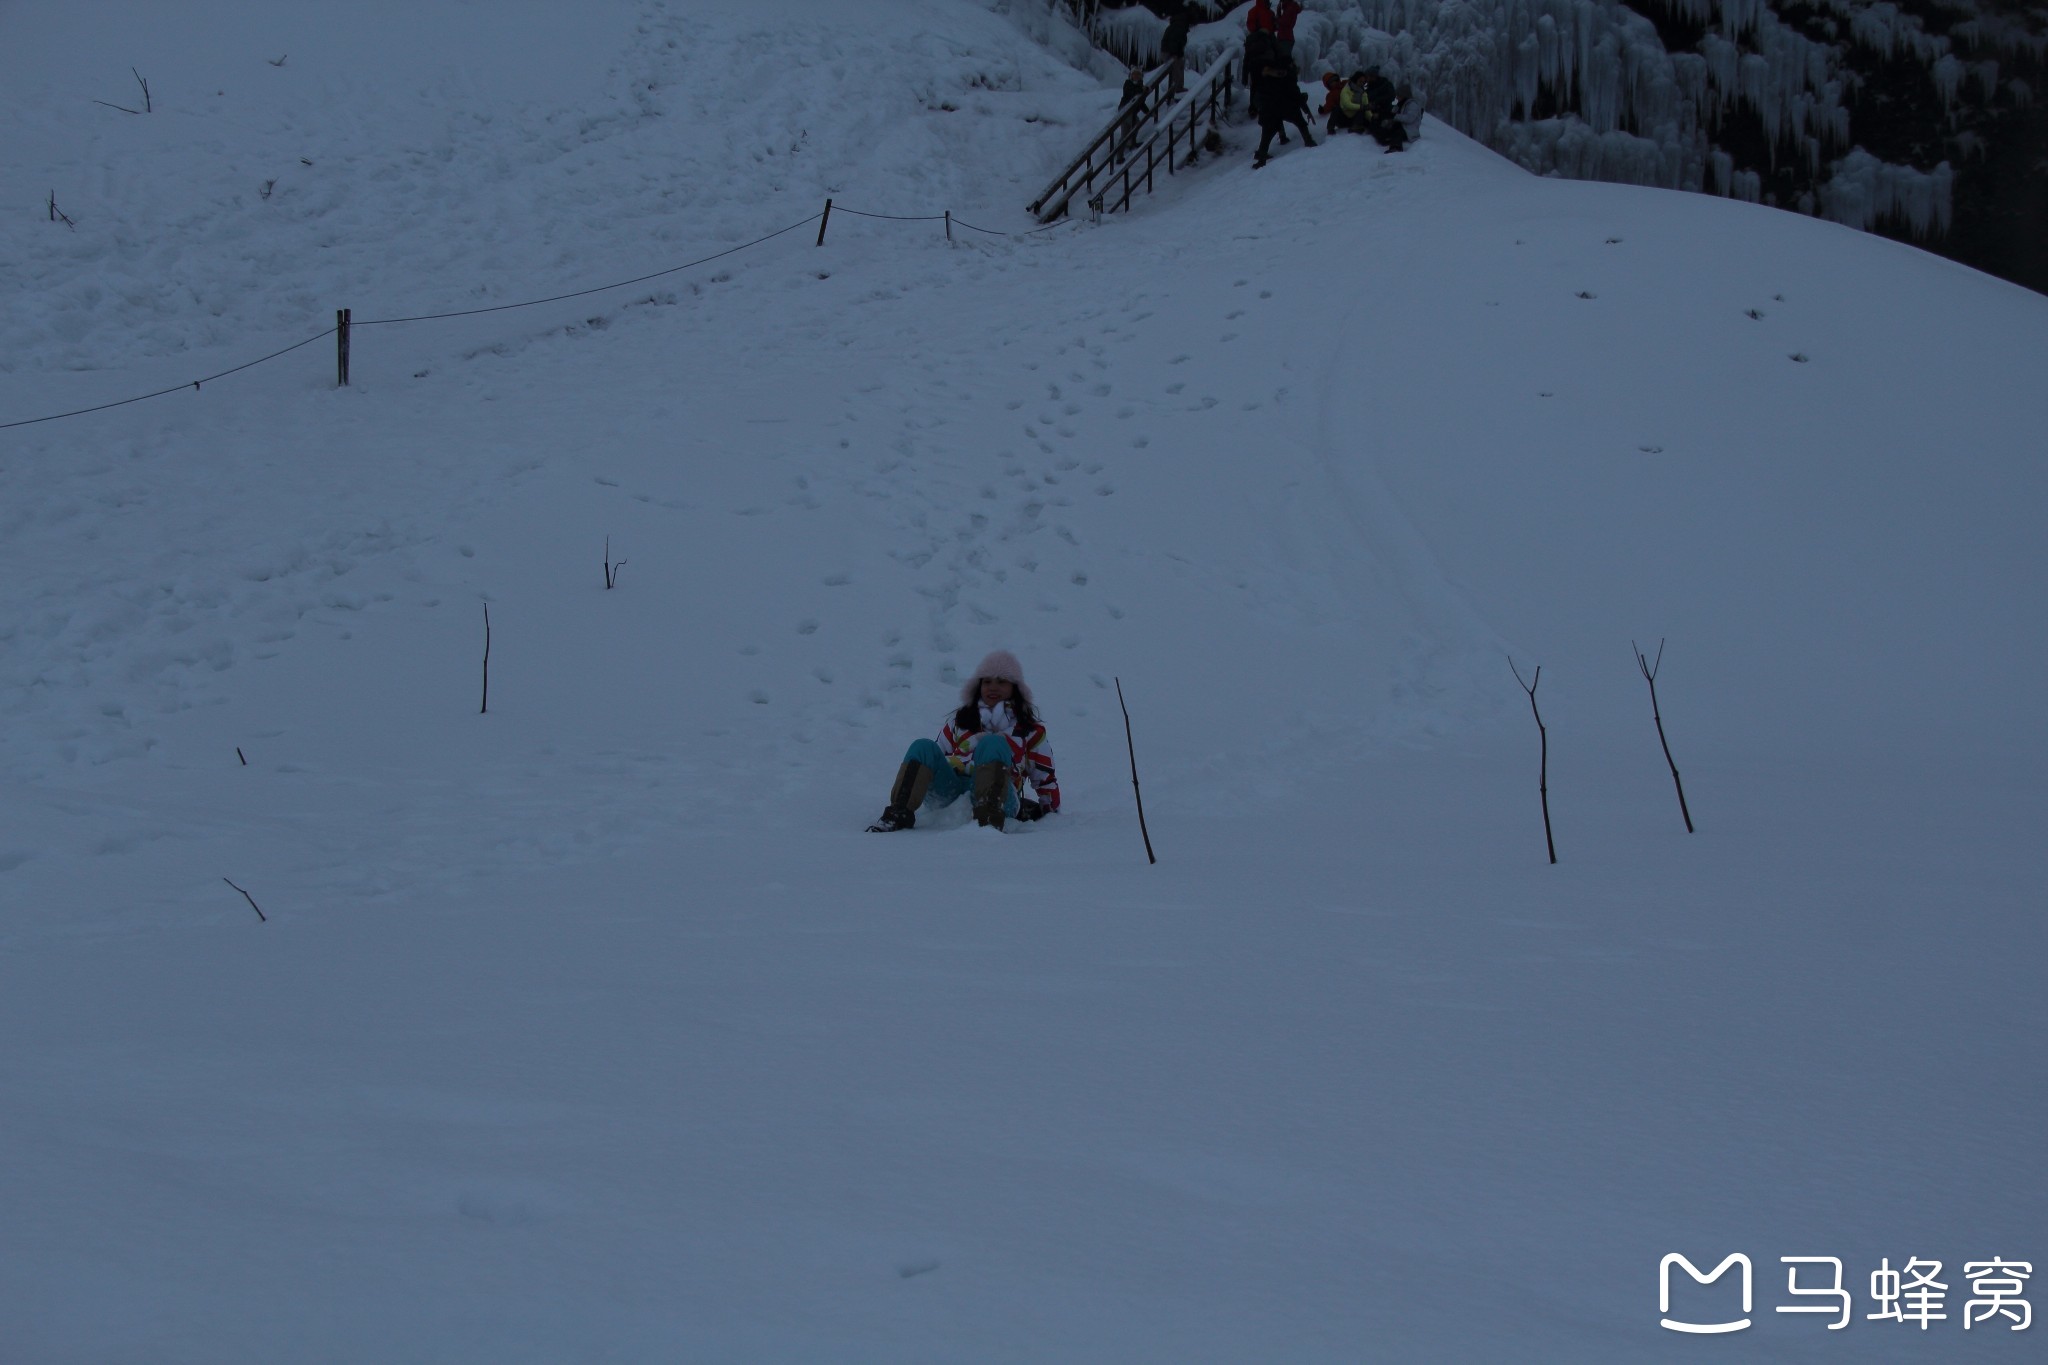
(1134, 94)
(1260, 48)
(1383, 112)
(1173, 45)
(1277, 87)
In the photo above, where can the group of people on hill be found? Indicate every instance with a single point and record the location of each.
(1367, 103)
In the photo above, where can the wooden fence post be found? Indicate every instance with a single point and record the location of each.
(341, 345)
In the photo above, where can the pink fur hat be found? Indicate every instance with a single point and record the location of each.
(1000, 663)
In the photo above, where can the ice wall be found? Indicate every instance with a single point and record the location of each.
(1588, 88)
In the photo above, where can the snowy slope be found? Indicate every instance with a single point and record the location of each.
(591, 1028)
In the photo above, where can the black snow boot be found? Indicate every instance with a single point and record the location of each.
(988, 793)
(906, 794)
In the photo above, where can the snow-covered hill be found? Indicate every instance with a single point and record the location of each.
(592, 1028)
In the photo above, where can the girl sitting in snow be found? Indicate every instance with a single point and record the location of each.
(993, 745)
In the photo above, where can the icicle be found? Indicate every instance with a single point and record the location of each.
(1947, 74)
(1864, 192)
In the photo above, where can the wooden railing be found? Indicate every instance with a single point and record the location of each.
(1145, 135)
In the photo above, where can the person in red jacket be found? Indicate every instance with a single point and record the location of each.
(1283, 20)
(1333, 93)
(1261, 19)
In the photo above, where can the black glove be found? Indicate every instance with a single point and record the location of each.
(1027, 809)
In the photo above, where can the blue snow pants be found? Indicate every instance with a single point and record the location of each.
(948, 785)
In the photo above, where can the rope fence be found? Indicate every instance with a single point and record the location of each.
(344, 324)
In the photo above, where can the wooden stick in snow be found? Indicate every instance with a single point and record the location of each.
(1649, 668)
(1128, 744)
(252, 902)
(1543, 735)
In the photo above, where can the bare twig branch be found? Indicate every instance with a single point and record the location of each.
(611, 570)
(1649, 671)
(58, 215)
(122, 107)
(147, 108)
(277, 61)
(1128, 744)
(1543, 735)
(486, 707)
(252, 902)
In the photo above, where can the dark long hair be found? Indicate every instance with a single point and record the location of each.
(967, 720)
